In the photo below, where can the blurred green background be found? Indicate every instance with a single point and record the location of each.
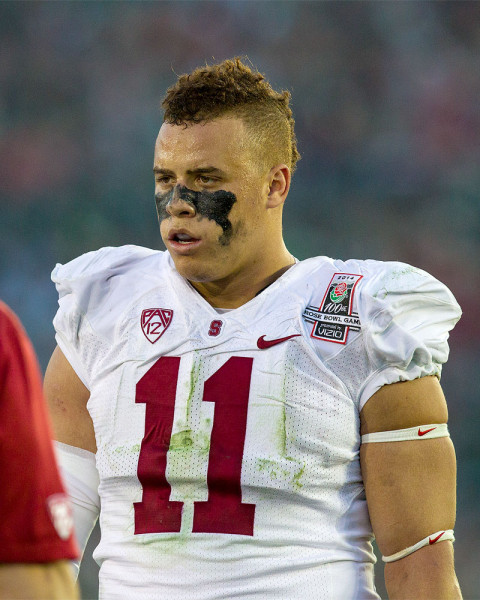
(386, 97)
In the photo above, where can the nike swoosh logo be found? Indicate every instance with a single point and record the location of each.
(426, 431)
(263, 344)
(435, 539)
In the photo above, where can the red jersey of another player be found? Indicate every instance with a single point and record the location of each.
(36, 523)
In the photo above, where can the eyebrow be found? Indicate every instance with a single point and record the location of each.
(190, 171)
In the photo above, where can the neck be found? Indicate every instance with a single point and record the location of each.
(238, 288)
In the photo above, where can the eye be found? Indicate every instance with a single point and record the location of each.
(205, 179)
(163, 179)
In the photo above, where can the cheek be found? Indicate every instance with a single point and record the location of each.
(248, 211)
(241, 230)
(239, 234)
(163, 229)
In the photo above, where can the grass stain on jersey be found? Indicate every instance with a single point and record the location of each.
(285, 467)
(298, 475)
(282, 424)
(215, 206)
(189, 440)
(135, 449)
(166, 546)
(391, 279)
(192, 385)
(181, 440)
(289, 470)
(273, 468)
(282, 427)
(407, 270)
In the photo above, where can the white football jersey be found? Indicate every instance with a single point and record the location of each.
(228, 442)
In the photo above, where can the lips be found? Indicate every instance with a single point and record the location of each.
(181, 236)
(182, 240)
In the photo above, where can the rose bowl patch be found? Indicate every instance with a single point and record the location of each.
(334, 318)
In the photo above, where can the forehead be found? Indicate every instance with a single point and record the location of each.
(220, 143)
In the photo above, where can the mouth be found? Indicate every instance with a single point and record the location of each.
(182, 241)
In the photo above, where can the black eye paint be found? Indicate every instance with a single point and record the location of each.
(216, 206)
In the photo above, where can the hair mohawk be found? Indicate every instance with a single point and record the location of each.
(232, 88)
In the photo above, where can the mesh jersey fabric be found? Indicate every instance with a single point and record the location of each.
(36, 523)
(229, 466)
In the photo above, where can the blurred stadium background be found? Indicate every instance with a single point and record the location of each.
(386, 96)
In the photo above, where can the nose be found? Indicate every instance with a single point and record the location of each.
(179, 206)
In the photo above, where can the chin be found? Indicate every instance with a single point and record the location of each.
(193, 270)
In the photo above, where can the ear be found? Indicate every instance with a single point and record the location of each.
(278, 185)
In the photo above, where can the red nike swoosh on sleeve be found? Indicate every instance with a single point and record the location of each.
(435, 539)
(263, 344)
(426, 431)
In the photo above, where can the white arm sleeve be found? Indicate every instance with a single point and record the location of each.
(81, 480)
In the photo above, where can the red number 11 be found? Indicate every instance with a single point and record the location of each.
(224, 511)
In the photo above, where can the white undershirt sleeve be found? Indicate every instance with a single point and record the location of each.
(80, 476)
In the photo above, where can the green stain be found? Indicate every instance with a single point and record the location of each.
(405, 271)
(127, 449)
(192, 384)
(278, 470)
(297, 477)
(186, 421)
(273, 468)
(168, 545)
(181, 440)
(286, 467)
(281, 431)
(391, 278)
(188, 440)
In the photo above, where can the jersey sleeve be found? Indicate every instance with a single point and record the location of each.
(36, 522)
(85, 286)
(406, 317)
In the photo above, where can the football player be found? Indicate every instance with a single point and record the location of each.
(244, 422)
(36, 529)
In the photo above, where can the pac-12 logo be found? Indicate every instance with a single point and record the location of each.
(155, 322)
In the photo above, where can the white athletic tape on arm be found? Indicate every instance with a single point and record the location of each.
(80, 476)
(421, 432)
(434, 538)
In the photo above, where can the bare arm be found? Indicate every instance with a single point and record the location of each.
(46, 581)
(67, 398)
(410, 488)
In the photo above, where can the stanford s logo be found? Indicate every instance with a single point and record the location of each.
(215, 328)
(155, 322)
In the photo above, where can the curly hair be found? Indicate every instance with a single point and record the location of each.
(231, 88)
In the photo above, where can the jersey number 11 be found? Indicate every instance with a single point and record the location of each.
(224, 511)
